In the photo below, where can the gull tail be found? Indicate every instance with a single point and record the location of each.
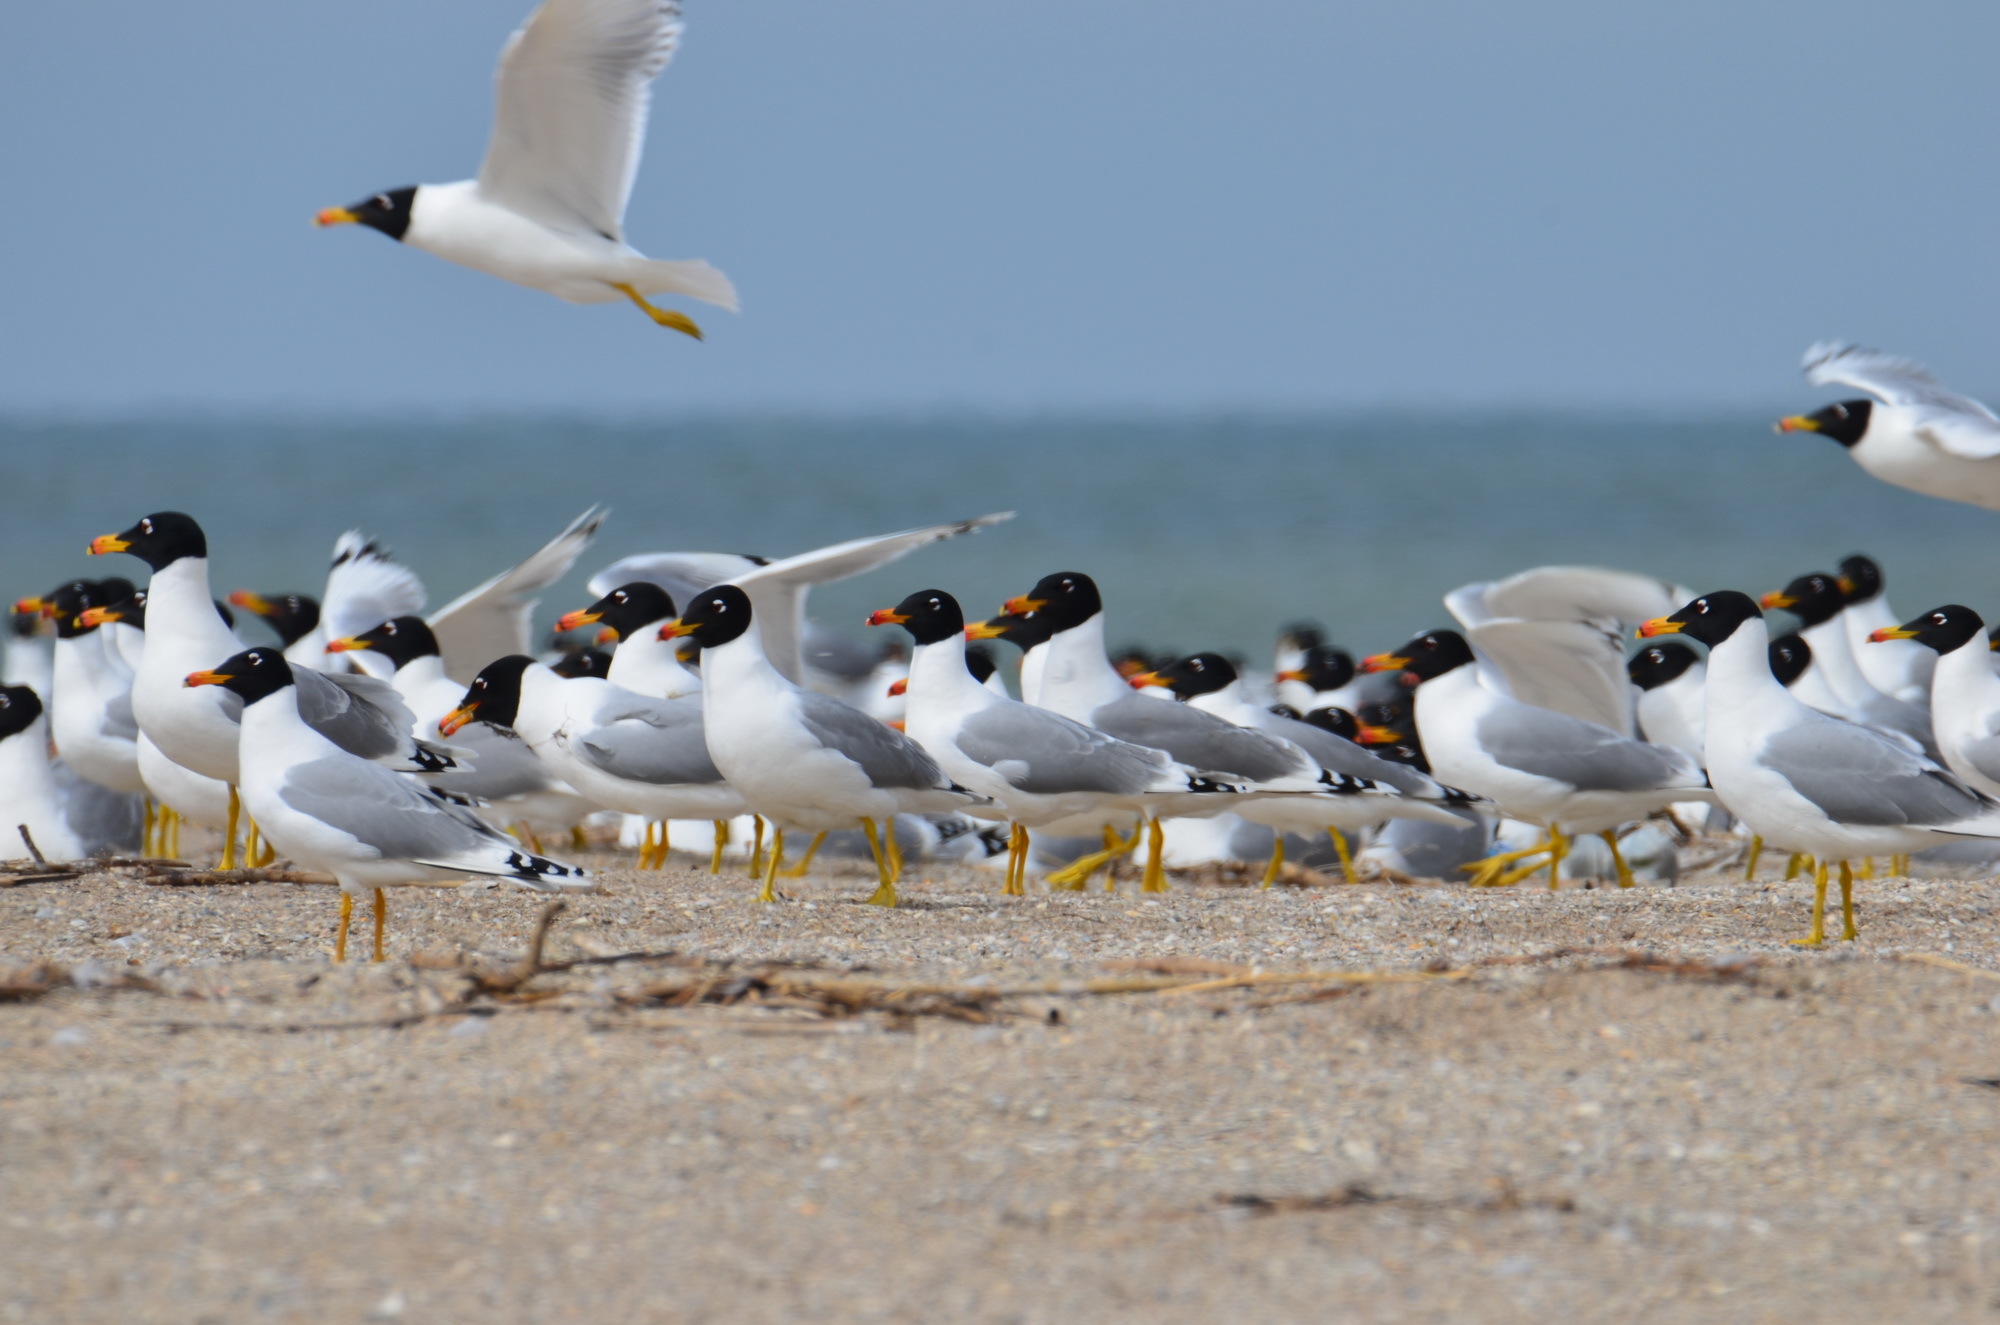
(691, 277)
(523, 867)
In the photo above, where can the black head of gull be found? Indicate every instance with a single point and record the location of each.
(623, 610)
(1199, 674)
(131, 610)
(494, 697)
(63, 605)
(1860, 578)
(1942, 628)
(930, 615)
(584, 662)
(713, 617)
(19, 707)
(1025, 630)
(159, 540)
(1845, 422)
(1427, 657)
(1657, 664)
(1790, 656)
(253, 674)
(1324, 668)
(1336, 720)
(1301, 636)
(1065, 599)
(402, 641)
(1812, 598)
(292, 615)
(979, 661)
(388, 211)
(1709, 619)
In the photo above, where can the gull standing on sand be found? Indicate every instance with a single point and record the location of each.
(90, 701)
(1913, 433)
(1816, 600)
(1807, 782)
(1535, 764)
(548, 208)
(28, 794)
(802, 759)
(1965, 691)
(643, 663)
(367, 826)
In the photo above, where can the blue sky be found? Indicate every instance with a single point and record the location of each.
(1042, 205)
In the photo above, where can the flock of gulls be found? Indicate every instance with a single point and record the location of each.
(388, 747)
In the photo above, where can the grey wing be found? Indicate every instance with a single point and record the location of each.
(1984, 755)
(1054, 755)
(1856, 776)
(1583, 754)
(1953, 423)
(360, 714)
(889, 758)
(1201, 740)
(492, 620)
(501, 765)
(1344, 756)
(383, 810)
(658, 741)
(118, 719)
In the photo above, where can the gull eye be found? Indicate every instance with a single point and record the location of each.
(145, 526)
(382, 199)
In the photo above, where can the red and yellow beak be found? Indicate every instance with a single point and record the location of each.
(33, 607)
(898, 724)
(899, 687)
(993, 629)
(450, 723)
(207, 679)
(606, 636)
(1140, 680)
(1888, 633)
(1023, 605)
(886, 616)
(104, 543)
(350, 644)
(336, 216)
(251, 602)
(1796, 423)
(1659, 625)
(1377, 735)
(91, 617)
(1778, 598)
(1292, 674)
(1384, 662)
(1846, 583)
(676, 629)
(569, 621)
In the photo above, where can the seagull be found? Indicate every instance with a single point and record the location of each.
(1816, 600)
(1899, 668)
(1965, 692)
(643, 663)
(1671, 678)
(1209, 682)
(1030, 632)
(1040, 767)
(802, 759)
(518, 787)
(1535, 764)
(1912, 433)
(584, 662)
(28, 789)
(295, 617)
(624, 751)
(367, 826)
(90, 699)
(548, 208)
(1808, 782)
(1323, 677)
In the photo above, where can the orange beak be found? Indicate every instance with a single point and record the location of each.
(675, 629)
(206, 679)
(450, 723)
(1377, 735)
(606, 636)
(1777, 599)
(985, 629)
(581, 617)
(97, 616)
(900, 686)
(1292, 674)
(104, 543)
(1024, 605)
(1796, 423)
(336, 216)
(1384, 662)
(886, 616)
(1888, 633)
(251, 602)
(1659, 625)
(31, 607)
(348, 645)
(1140, 680)
(898, 724)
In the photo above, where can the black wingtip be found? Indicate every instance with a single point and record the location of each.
(531, 868)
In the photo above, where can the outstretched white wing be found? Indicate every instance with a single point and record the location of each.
(492, 621)
(1957, 425)
(365, 587)
(569, 123)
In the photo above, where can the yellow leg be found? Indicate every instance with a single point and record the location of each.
(757, 846)
(1346, 856)
(1486, 870)
(381, 920)
(175, 852)
(721, 841)
(798, 871)
(1075, 876)
(1155, 878)
(1756, 850)
(1017, 862)
(646, 840)
(229, 834)
(892, 849)
(1901, 865)
(1111, 839)
(1558, 848)
(1277, 860)
(146, 832)
(777, 858)
(577, 841)
(1625, 879)
(253, 844)
(1818, 934)
(885, 891)
(1794, 865)
(1867, 870)
(1848, 933)
(346, 918)
(666, 317)
(665, 845)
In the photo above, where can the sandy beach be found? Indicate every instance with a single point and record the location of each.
(1635, 1105)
